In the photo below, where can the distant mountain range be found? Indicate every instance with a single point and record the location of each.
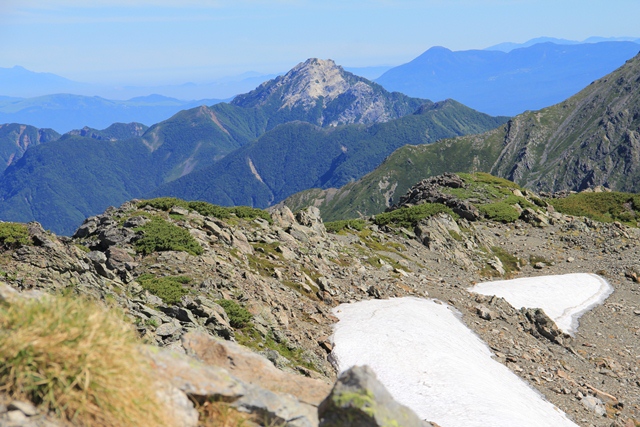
(22, 83)
(65, 112)
(508, 83)
(505, 79)
(318, 123)
(592, 138)
(45, 100)
(18, 82)
(508, 46)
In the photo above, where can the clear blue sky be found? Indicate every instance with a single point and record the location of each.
(175, 41)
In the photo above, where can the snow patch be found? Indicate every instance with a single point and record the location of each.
(431, 362)
(564, 298)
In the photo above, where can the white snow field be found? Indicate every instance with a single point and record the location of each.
(564, 298)
(431, 362)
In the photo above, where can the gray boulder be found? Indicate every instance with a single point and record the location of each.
(541, 325)
(358, 399)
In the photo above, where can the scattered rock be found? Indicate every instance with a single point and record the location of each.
(595, 405)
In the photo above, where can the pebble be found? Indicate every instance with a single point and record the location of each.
(26, 408)
(594, 404)
(16, 417)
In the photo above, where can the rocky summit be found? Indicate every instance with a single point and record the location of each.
(235, 304)
(322, 90)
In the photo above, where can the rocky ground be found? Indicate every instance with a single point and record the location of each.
(291, 273)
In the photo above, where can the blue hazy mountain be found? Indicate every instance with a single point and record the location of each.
(508, 83)
(508, 46)
(19, 82)
(64, 112)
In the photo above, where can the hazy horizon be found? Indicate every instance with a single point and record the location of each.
(165, 42)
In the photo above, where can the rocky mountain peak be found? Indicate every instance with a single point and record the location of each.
(302, 85)
(313, 79)
(323, 93)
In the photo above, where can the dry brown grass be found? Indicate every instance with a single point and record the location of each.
(79, 360)
(221, 414)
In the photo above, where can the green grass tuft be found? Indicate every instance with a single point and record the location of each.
(500, 211)
(239, 317)
(160, 235)
(207, 209)
(338, 226)
(410, 216)
(169, 288)
(14, 235)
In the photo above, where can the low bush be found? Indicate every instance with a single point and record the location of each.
(13, 235)
(524, 203)
(160, 235)
(207, 209)
(499, 211)
(410, 216)
(168, 288)
(486, 178)
(510, 262)
(239, 317)
(337, 226)
(79, 360)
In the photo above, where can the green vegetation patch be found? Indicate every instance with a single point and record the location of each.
(78, 360)
(486, 178)
(263, 266)
(250, 337)
(168, 288)
(603, 207)
(410, 216)
(510, 263)
(14, 235)
(500, 211)
(206, 209)
(161, 235)
(349, 224)
(239, 317)
(534, 259)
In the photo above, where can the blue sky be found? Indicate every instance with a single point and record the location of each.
(175, 41)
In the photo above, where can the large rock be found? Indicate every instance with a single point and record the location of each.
(542, 325)
(203, 382)
(358, 399)
(282, 216)
(253, 368)
(310, 218)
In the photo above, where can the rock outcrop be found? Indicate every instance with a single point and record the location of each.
(338, 96)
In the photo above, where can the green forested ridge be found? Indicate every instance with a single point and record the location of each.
(16, 138)
(115, 132)
(384, 186)
(63, 182)
(298, 155)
